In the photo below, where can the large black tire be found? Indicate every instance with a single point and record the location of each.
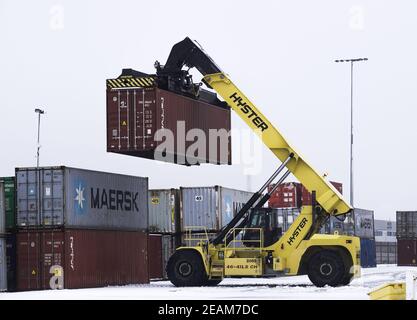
(213, 282)
(185, 269)
(326, 268)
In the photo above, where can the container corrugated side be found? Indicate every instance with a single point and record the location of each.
(3, 265)
(88, 258)
(11, 261)
(286, 195)
(407, 252)
(2, 210)
(168, 249)
(364, 223)
(164, 210)
(368, 253)
(406, 224)
(9, 193)
(232, 200)
(155, 256)
(199, 208)
(134, 115)
(78, 198)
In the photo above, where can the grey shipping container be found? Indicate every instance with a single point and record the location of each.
(3, 265)
(78, 198)
(2, 209)
(407, 224)
(364, 223)
(360, 223)
(164, 206)
(210, 207)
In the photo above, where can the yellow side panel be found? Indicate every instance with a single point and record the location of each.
(242, 266)
(327, 196)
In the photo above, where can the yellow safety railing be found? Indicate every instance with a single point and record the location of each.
(195, 235)
(240, 244)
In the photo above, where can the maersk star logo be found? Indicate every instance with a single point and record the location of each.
(79, 198)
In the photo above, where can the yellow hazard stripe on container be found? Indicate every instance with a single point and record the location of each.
(130, 82)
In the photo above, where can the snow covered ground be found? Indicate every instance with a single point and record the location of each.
(294, 288)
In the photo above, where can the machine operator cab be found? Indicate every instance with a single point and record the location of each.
(265, 219)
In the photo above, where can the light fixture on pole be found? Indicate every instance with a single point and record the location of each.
(352, 61)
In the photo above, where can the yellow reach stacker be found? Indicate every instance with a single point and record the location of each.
(252, 245)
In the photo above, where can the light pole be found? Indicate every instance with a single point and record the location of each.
(38, 193)
(352, 61)
(39, 112)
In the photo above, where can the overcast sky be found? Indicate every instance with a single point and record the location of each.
(57, 55)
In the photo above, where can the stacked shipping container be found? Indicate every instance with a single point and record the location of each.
(164, 217)
(407, 238)
(172, 211)
(293, 195)
(8, 213)
(3, 261)
(80, 228)
(210, 207)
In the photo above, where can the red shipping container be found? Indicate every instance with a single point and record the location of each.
(306, 196)
(407, 252)
(135, 114)
(287, 195)
(84, 258)
(156, 269)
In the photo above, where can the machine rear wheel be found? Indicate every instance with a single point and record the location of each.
(185, 269)
(326, 268)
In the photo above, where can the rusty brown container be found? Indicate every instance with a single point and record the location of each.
(155, 256)
(287, 195)
(407, 252)
(306, 196)
(134, 114)
(84, 258)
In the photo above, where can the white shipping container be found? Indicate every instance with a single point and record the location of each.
(210, 207)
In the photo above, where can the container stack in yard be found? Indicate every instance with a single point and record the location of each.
(3, 259)
(137, 108)
(164, 228)
(407, 238)
(385, 242)
(8, 233)
(172, 211)
(80, 228)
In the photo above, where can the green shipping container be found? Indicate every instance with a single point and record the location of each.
(9, 192)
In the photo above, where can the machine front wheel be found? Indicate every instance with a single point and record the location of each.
(326, 268)
(213, 282)
(185, 269)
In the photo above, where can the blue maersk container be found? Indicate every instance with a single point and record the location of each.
(368, 253)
